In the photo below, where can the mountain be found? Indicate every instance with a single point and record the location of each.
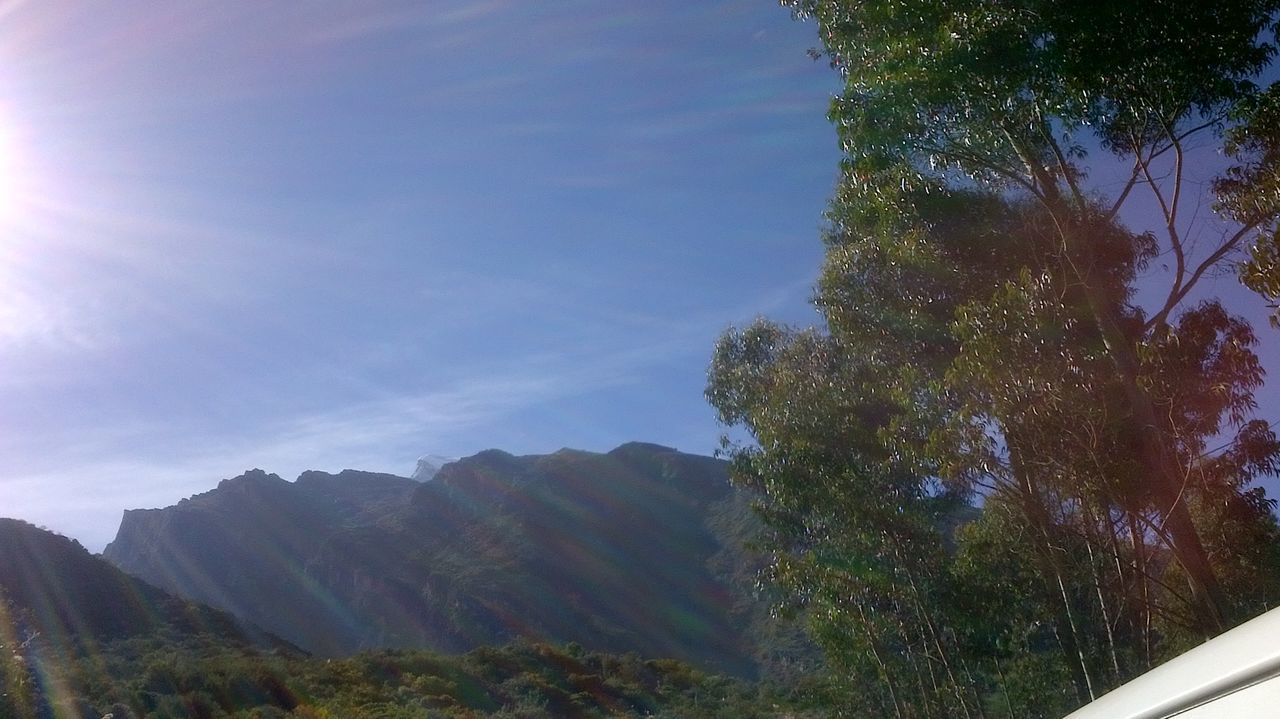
(247, 547)
(613, 551)
(52, 589)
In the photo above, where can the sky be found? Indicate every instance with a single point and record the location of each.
(345, 234)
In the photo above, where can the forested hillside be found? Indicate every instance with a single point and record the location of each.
(206, 678)
(80, 639)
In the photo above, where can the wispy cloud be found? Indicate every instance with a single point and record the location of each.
(84, 492)
(29, 322)
(216, 284)
(84, 485)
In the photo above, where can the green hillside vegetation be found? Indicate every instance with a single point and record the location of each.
(207, 679)
(80, 639)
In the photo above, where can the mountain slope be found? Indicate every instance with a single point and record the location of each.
(246, 547)
(52, 586)
(608, 550)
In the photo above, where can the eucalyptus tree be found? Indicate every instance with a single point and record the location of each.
(982, 338)
(854, 527)
(1029, 100)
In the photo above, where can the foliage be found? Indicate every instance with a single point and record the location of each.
(200, 677)
(982, 343)
(19, 691)
(79, 638)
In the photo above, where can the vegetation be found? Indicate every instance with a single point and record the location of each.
(993, 484)
(983, 345)
(205, 677)
(79, 638)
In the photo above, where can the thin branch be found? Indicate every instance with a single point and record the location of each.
(1177, 170)
(1156, 151)
(1005, 172)
(1170, 219)
(1202, 126)
(1159, 532)
(1225, 248)
(1124, 194)
(1039, 177)
(1182, 620)
(1067, 172)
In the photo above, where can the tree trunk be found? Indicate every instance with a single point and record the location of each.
(873, 643)
(1051, 569)
(1167, 484)
(1157, 457)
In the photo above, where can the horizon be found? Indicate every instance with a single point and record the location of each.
(293, 479)
(215, 483)
(596, 358)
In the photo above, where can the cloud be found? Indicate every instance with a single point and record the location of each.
(83, 482)
(28, 322)
(367, 432)
(83, 492)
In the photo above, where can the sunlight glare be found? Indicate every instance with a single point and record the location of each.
(10, 174)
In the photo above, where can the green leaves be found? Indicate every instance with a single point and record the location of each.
(1249, 190)
(962, 82)
(153, 677)
(982, 339)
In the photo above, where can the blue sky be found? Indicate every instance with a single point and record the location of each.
(346, 234)
(242, 234)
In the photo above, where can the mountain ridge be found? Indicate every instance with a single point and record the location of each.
(610, 550)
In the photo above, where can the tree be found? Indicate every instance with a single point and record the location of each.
(1012, 97)
(982, 339)
(855, 528)
(1252, 187)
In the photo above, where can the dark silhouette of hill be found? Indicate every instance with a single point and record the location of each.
(52, 586)
(613, 551)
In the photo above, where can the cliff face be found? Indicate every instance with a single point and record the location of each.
(608, 550)
(247, 547)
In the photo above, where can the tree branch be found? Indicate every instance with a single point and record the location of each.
(1226, 247)
(1068, 173)
(1124, 194)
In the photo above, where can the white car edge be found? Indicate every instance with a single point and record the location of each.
(1233, 675)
